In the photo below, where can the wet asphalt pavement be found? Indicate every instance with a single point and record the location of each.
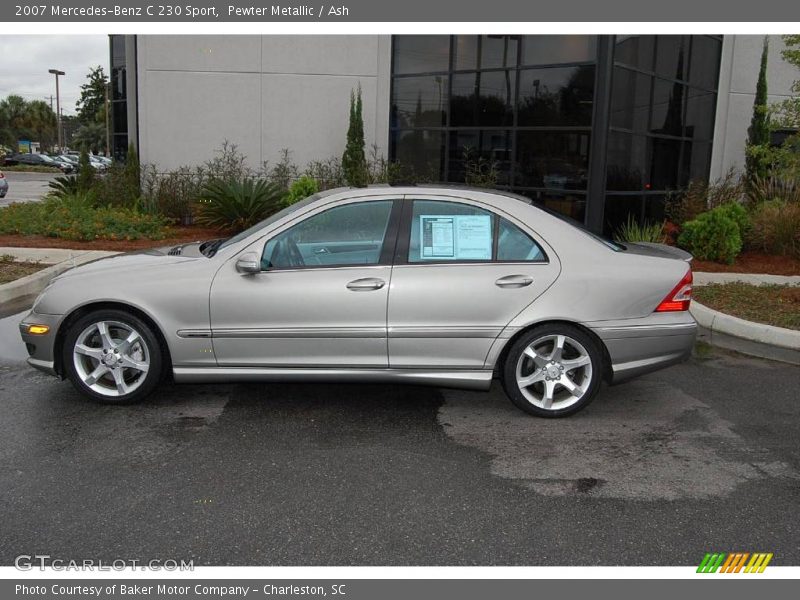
(703, 456)
(26, 187)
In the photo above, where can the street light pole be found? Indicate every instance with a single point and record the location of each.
(56, 72)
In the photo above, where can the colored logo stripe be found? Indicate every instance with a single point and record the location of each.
(734, 562)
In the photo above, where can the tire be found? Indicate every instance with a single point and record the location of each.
(534, 371)
(112, 357)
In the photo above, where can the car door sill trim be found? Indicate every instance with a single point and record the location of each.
(478, 379)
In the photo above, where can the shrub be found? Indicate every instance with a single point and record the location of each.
(775, 188)
(86, 174)
(632, 231)
(302, 188)
(171, 194)
(776, 228)
(478, 170)
(237, 205)
(63, 186)
(284, 172)
(701, 196)
(739, 215)
(74, 218)
(713, 235)
(327, 173)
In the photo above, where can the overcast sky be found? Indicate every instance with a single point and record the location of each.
(27, 58)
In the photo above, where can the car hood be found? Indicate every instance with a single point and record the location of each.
(134, 261)
(657, 250)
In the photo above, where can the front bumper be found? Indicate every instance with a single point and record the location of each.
(647, 345)
(41, 347)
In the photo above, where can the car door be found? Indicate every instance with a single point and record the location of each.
(320, 297)
(462, 271)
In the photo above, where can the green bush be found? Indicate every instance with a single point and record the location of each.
(713, 235)
(73, 217)
(739, 215)
(237, 205)
(632, 231)
(302, 188)
(776, 228)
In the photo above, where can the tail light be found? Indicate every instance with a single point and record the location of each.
(1, 175)
(680, 296)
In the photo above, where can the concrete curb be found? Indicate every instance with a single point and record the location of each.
(34, 283)
(756, 339)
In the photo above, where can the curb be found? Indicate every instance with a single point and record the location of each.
(32, 284)
(756, 339)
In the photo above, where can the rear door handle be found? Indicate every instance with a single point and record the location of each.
(365, 285)
(514, 281)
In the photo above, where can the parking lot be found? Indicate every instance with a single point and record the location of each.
(699, 457)
(26, 187)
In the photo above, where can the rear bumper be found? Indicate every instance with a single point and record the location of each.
(644, 345)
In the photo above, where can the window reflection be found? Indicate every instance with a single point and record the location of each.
(552, 160)
(482, 99)
(556, 96)
(421, 53)
(557, 49)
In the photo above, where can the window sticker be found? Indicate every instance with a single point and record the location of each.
(455, 237)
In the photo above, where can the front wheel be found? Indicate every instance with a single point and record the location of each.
(553, 371)
(112, 357)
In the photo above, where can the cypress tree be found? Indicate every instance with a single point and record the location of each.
(758, 133)
(354, 161)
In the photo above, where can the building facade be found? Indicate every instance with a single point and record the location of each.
(595, 127)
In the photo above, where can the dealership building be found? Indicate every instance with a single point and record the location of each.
(596, 127)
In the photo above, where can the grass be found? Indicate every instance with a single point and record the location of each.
(11, 270)
(777, 305)
(29, 169)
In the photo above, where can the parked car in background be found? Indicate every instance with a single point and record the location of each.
(35, 160)
(71, 158)
(428, 285)
(66, 166)
(3, 185)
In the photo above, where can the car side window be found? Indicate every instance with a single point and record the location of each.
(513, 244)
(444, 231)
(352, 234)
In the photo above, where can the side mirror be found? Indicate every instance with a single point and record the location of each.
(248, 263)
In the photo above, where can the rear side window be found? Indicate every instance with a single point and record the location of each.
(513, 244)
(442, 231)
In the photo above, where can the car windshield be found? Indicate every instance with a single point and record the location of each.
(46, 158)
(269, 220)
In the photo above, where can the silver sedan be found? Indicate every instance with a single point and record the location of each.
(428, 285)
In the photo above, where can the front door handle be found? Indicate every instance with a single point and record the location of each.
(365, 285)
(514, 281)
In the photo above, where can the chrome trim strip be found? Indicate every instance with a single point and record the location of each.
(444, 332)
(646, 330)
(193, 333)
(302, 332)
(468, 379)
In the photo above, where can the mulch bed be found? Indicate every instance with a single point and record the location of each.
(777, 305)
(177, 235)
(12, 270)
(752, 262)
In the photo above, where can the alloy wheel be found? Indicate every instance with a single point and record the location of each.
(554, 372)
(111, 358)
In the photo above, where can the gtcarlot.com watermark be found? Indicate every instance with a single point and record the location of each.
(42, 562)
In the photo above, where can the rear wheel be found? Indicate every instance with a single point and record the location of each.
(553, 370)
(112, 357)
